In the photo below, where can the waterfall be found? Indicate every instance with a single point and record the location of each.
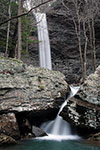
(44, 44)
(43, 37)
(59, 127)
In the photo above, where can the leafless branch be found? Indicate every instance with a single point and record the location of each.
(24, 14)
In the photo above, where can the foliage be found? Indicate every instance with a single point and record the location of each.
(26, 28)
(26, 33)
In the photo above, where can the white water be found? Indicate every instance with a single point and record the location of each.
(43, 36)
(59, 129)
(44, 43)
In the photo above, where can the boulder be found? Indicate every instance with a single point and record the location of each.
(94, 137)
(38, 132)
(83, 110)
(9, 125)
(27, 88)
(5, 140)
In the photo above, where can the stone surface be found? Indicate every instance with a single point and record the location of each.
(94, 137)
(5, 140)
(38, 132)
(26, 88)
(90, 91)
(9, 125)
(83, 110)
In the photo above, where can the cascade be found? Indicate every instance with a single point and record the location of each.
(59, 127)
(44, 43)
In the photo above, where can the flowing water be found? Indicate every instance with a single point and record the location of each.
(59, 128)
(44, 44)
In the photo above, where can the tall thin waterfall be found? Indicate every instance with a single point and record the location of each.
(44, 43)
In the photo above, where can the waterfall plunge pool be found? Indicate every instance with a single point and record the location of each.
(55, 140)
(36, 144)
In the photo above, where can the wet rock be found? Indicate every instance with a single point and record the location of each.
(6, 140)
(9, 126)
(25, 127)
(82, 114)
(94, 137)
(83, 110)
(38, 132)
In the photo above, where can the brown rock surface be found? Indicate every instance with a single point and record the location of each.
(9, 126)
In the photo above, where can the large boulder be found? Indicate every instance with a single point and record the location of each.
(26, 88)
(28, 96)
(83, 110)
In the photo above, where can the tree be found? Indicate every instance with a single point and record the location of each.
(19, 48)
(8, 30)
(83, 14)
(15, 51)
(92, 12)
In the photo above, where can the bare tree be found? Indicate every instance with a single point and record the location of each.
(8, 29)
(83, 14)
(92, 12)
(19, 30)
(73, 8)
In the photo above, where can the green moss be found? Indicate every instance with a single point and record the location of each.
(41, 87)
(11, 59)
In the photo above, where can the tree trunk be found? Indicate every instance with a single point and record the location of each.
(80, 50)
(94, 49)
(8, 30)
(85, 48)
(19, 30)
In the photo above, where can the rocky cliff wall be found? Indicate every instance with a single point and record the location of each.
(64, 44)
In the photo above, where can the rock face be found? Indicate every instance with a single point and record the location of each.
(83, 110)
(64, 44)
(5, 140)
(26, 88)
(28, 96)
(9, 125)
(38, 132)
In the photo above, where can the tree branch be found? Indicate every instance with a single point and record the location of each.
(24, 14)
